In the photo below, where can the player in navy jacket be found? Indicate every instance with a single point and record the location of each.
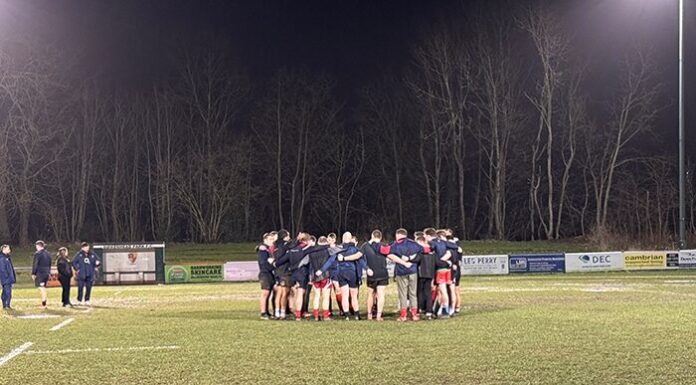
(282, 276)
(443, 275)
(7, 276)
(348, 279)
(266, 279)
(41, 270)
(320, 262)
(402, 252)
(85, 263)
(298, 266)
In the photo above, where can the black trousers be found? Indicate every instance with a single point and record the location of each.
(425, 298)
(81, 286)
(65, 284)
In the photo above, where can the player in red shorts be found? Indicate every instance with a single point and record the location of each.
(320, 263)
(443, 273)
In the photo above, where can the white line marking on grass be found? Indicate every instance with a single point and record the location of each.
(90, 350)
(37, 316)
(60, 325)
(4, 359)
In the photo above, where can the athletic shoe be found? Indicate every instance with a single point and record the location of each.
(416, 317)
(444, 316)
(429, 316)
(80, 303)
(87, 303)
(264, 317)
(402, 319)
(457, 310)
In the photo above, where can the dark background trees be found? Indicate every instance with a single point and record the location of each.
(494, 127)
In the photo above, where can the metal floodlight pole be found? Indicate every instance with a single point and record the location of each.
(682, 170)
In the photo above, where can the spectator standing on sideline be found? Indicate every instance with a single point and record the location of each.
(7, 276)
(85, 264)
(41, 270)
(65, 274)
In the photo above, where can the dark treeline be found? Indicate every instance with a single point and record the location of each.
(490, 129)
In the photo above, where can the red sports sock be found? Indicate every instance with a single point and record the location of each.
(402, 313)
(298, 314)
(414, 311)
(326, 314)
(315, 313)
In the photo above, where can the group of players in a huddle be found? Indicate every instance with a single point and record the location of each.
(426, 273)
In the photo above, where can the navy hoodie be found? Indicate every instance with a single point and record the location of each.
(408, 248)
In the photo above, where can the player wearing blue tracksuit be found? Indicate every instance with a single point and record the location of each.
(7, 276)
(85, 263)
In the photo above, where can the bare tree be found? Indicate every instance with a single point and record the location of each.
(161, 119)
(208, 175)
(497, 93)
(304, 121)
(574, 119)
(551, 45)
(5, 125)
(36, 125)
(384, 113)
(443, 86)
(633, 112)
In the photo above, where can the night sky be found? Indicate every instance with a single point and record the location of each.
(355, 42)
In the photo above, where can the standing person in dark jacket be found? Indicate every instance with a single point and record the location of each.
(319, 263)
(426, 274)
(65, 274)
(377, 274)
(443, 273)
(282, 275)
(7, 276)
(265, 258)
(453, 245)
(41, 270)
(446, 237)
(85, 262)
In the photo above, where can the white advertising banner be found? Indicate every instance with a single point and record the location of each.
(241, 271)
(601, 261)
(484, 264)
(129, 261)
(687, 259)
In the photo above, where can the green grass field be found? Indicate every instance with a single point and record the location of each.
(611, 328)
